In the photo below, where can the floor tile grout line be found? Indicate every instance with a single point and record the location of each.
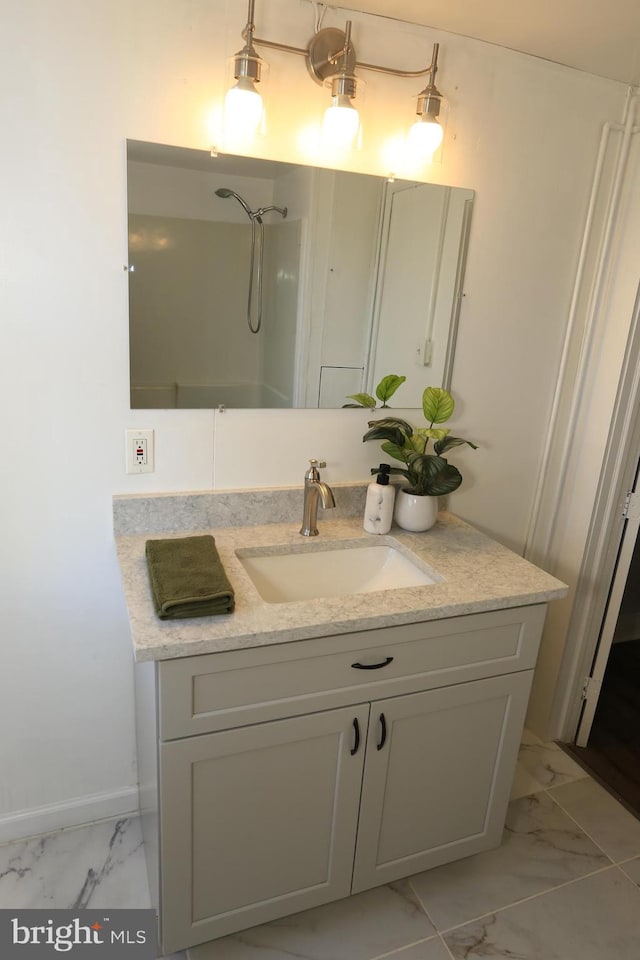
(416, 943)
(573, 819)
(624, 863)
(446, 946)
(398, 951)
(533, 896)
(406, 946)
(423, 905)
(583, 829)
(628, 877)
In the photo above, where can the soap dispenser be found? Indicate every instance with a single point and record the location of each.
(378, 510)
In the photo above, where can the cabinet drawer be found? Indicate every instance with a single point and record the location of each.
(221, 690)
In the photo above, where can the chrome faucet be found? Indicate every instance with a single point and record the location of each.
(314, 488)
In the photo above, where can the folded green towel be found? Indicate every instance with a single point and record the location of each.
(187, 578)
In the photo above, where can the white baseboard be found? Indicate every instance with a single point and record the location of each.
(68, 813)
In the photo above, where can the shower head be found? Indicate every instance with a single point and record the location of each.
(224, 192)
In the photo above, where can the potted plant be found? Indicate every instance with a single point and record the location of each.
(384, 391)
(428, 475)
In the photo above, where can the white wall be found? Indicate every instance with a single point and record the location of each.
(84, 77)
(569, 487)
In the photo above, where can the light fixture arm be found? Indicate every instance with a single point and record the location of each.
(344, 53)
(430, 99)
(249, 28)
(330, 45)
(247, 64)
(431, 70)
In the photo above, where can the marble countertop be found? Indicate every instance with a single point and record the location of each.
(476, 574)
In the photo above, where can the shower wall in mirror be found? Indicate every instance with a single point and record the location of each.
(254, 283)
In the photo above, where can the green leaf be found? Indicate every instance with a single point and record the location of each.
(427, 464)
(432, 475)
(447, 442)
(388, 386)
(444, 481)
(434, 433)
(437, 404)
(362, 399)
(420, 467)
(417, 443)
(395, 451)
(381, 432)
(398, 422)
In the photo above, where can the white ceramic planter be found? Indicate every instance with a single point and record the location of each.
(413, 513)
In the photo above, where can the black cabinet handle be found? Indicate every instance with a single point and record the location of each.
(372, 666)
(383, 731)
(356, 731)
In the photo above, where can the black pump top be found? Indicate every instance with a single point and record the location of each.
(383, 476)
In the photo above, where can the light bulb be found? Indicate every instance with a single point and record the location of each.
(242, 109)
(341, 123)
(425, 136)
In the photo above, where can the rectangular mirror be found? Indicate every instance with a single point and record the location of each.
(254, 283)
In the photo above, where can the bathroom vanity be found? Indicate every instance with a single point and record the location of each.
(295, 753)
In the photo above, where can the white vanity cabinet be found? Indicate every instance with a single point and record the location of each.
(438, 772)
(281, 777)
(263, 823)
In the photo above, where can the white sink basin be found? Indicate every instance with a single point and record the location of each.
(335, 569)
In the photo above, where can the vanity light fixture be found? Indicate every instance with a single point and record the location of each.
(243, 107)
(341, 120)
(331, 60)
(425, 135)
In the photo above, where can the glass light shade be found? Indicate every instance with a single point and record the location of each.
(341, 123)
(425, 136)
(242, 109)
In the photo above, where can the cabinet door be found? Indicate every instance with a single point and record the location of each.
(438, 773)
(258, 822)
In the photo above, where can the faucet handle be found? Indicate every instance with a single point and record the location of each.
(313, 472)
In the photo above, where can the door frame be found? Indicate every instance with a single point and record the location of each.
(604, 539)
(593, 685)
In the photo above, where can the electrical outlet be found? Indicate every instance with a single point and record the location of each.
(139, 451)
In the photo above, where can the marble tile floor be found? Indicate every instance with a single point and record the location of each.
(564, 885)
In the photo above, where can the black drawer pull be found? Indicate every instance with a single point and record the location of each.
(383, 731)
(372, 666)
(356, 730)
